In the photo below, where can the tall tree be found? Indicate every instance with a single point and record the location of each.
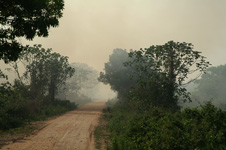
(25, 18)
(117, 75)
(59, 71)
(45, 70)
(164, 68)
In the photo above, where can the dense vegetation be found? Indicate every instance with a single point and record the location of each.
(32, 95)
(117, 74)
(149, 82)
(201, 128)
(151, 117)
(41, 74)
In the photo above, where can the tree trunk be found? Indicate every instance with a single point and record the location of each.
(52, 91)
(171, 78)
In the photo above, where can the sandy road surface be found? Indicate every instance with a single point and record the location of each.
(72, 131)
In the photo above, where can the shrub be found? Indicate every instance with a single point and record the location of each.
(198, 128)
(16, 114)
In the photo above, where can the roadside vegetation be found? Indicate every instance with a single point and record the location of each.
(32, 95)
(161, 129)
(37, 83)
(44, 80)
(46, 85)
(148, 113)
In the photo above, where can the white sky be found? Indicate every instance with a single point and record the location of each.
(91, 29)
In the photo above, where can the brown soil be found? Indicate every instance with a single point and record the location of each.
(72, 131)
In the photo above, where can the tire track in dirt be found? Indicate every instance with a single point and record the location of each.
(71, 131)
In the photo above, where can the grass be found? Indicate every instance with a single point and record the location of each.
(101, 134)
(98, 137)
(13, 135)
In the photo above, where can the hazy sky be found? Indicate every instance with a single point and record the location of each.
(91, 29)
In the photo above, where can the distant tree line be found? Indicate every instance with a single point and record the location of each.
(211, 87)
(83, 79)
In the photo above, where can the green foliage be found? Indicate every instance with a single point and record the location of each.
(25, 18)
(159, 129)
(162, 72)
(150, 118)
(98, 135)
(32, 96)
(101, 135)
(45, 70)
(16, 112)
(12, 111)
(60, 107)
(212, 85)
(117, 75)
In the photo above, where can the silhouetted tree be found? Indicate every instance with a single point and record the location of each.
(45, 70)
(25, 18)
(163, 70)
(117, 75)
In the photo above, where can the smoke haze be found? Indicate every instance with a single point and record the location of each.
(91, 29)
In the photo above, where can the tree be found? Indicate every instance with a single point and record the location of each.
(212, 85)
(83, 79)
(164, 69)
(117, 75)
(25, 18)
(59, 71)
(45, 70)
(85, 76)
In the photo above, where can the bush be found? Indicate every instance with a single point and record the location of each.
(13, 115)
(67, 104)
(198, 128)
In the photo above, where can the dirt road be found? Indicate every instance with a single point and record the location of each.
(72, 131)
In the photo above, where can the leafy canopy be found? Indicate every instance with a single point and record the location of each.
(164, 68)
(25, 18)
(45, 70)
(116, 74)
